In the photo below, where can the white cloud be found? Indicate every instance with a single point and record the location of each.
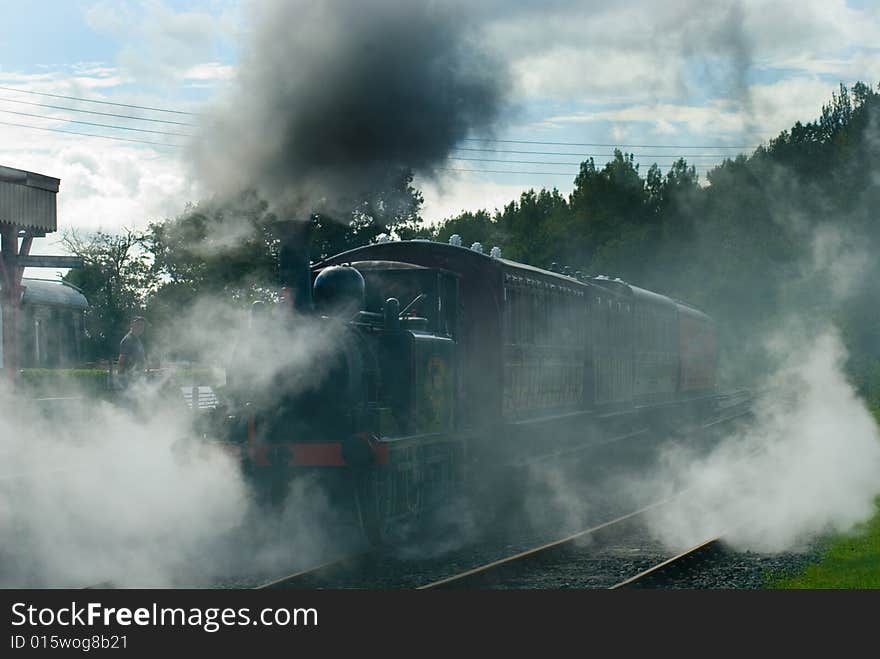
(581, 73)
(160, 45)
(780, 104)
(650, 52)
(457, 192)
(716, 117)
(209, 71)
(104, 185)
(773, 107)
(29, 80)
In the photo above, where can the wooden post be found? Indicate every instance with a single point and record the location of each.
(10, 298)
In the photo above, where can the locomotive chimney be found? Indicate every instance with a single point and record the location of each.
(294, 242)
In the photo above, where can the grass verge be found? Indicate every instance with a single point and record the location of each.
(851, 561)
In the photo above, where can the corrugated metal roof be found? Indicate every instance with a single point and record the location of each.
(55, 293)
(27, 199)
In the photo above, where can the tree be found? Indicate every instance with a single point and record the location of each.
(229, 248)
(473, 227)
(605, 205)
(116, 279)
(393, 210)
(535, 226)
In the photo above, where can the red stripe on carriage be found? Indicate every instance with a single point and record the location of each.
(317, 454)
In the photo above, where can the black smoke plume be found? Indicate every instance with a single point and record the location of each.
(334, 99)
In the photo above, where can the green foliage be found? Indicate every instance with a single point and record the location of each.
(770, 234)
(530, 229)
(116, 279)
(228, 249)
(213, 248)
(225, 250)
(393, 210)
(850, 561)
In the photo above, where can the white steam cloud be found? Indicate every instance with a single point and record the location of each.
(807, 466)
(127, 493)
(103, 496)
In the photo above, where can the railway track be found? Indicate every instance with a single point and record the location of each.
(653, 576)
(367, 569)
(659, 575)
(371, 569)
(324, 573)
(484, 575)
(689, 560)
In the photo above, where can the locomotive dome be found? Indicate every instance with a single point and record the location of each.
(339, 289)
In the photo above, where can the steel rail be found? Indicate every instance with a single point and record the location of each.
(462, 577)
(678, 564)
(311, 573)
(494, 565)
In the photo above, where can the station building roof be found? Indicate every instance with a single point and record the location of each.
(52, 293)
(27, 199)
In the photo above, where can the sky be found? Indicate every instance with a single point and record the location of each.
(703, 80)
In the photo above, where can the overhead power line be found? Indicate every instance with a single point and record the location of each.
(448, 169)
(629, 146)
(469, 149)
(593, 155)
(91, 100)
(103, 137)
(520, 162)
(543, 162)
(103, 114)
(509, 171)
(498, 171)
(702, 166)
(91, 123)
(469, 139)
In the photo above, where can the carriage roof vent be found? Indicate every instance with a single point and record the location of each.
(477, 247)
(384, 238)
(455, 240)
(496, 252)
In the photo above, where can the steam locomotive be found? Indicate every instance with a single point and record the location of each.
(451, 362)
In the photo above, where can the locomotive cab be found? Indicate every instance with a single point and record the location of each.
(409, 322)
(428, 297)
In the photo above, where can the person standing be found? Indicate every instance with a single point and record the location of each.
(131, 350)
